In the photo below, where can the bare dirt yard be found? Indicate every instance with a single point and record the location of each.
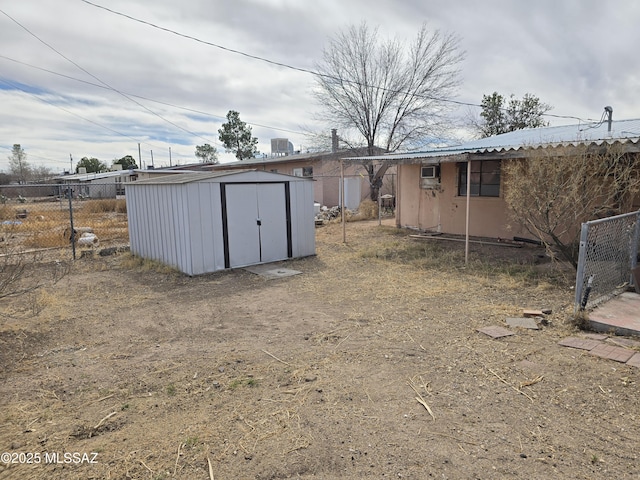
(368, 364)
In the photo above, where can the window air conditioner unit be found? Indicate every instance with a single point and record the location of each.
(430, 177)
(429, 172)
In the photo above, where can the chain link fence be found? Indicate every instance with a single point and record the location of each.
(608, 252)
(64, 219)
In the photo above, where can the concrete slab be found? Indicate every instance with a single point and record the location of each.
(581, 343)
(634, 361)
(624, 342)
(271, 271)
(529, 323)
(620, 315)
(595, 336)
(496, 332)
(611, 352)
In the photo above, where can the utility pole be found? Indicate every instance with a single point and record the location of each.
(170, 156)
(71, 170)
(139, 157)
(152, 165)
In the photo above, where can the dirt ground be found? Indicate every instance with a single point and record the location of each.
(368, 364)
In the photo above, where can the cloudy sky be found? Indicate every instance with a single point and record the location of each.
(77, 79)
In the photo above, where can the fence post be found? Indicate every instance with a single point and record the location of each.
(582, 256)
(635, 241)
(73, 231)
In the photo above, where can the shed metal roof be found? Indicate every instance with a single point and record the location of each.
(622, 131)
(191, 177)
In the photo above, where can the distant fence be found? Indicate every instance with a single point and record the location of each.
(40, 217)
(608, 252)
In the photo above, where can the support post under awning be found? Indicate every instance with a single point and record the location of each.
(342, 217)
(466, 232)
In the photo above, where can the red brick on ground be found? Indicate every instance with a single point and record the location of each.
(581, 343)
(635, 360)
(611, 352)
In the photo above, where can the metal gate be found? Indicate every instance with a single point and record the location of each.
(608, 252)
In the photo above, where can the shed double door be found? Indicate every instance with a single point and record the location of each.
(257, 223)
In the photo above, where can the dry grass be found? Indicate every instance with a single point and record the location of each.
(133, 262)
(394, 245)
(6, 213)
(409, 274)
(106, 205)
(46, 223)
(367, 210)
(368, 360)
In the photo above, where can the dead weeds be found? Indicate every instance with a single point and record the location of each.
(367, 364)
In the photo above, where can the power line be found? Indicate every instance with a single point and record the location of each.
(17, 87)
(300, 69)
(221, 47)
(280, 64)
(99, 80)
(200, 112)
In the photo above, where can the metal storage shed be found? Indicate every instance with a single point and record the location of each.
(204, 222)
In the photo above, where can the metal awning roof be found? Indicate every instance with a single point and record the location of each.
(499, 146)
(85, 177)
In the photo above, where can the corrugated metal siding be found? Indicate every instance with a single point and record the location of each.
(157, 224)
(207, 245)
(171, 244)
(303, 229)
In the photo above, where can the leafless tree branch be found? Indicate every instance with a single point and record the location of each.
(391, 95)
(551, 194)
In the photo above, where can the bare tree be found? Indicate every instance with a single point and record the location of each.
(40, 173)
(18, 164)
(551, 194)
(391, 95)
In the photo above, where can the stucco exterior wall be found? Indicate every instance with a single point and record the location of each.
(326, 176)
(331, 182)
(443, 210)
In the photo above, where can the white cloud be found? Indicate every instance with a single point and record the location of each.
(575, 55)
